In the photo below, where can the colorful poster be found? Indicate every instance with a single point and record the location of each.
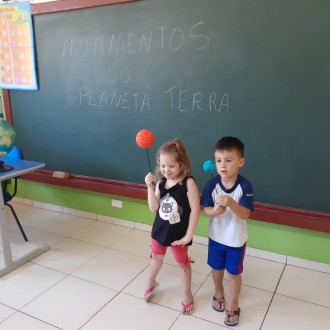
(17, 62)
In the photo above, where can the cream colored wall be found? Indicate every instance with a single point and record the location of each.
(33, 1)
(1, 104)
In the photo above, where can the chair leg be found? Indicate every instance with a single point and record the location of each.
(17, 221)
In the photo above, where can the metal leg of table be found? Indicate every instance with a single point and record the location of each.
(7, 255)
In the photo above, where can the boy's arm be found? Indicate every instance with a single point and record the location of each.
(241, 211)
(214, 211)
(211, 208)
(193, 197)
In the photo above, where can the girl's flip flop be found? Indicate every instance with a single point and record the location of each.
(150, 291)
(185, 307)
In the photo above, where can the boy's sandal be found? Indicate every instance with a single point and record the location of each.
(218, 304)
(150, 291)
(229, 315)
(185, 307)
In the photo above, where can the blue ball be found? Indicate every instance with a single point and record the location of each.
(209, 166)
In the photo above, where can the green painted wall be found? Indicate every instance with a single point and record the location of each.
(290, 241)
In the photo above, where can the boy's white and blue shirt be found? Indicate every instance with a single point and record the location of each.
(227, 228)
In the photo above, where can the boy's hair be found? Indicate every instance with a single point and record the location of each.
(177, 148)
(230, 143)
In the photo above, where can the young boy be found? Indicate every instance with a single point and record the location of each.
(228, 201)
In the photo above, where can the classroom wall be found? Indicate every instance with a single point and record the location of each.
(40, 1)
(33, 1)
(1, 105)
(289, 241)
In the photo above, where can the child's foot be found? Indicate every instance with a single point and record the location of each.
(218, 304)
(232, 317)
(150, 291)
(187, 308)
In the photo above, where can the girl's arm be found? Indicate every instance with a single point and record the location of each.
(194, 202)
(153, 193)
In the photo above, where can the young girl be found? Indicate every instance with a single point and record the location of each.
(177, 203)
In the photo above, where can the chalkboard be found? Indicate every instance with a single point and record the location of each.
(197, 70)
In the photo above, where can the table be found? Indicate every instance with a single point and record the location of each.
(20, 167)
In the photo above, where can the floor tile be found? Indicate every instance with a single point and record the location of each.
(307, 285)
(16, 321)
(115, 221)
(30, 216)
(35, 238)
(168, 293)
(128, 312)
(288, 313)
(93, 278)
(111, 268)
(40, 236)
(312, 265)
(136, 242)
(261, 273)
(2, 262)
(18, 246)
(25, 283)
(198, 253)
(62, 224)
(47, 206)
(70, 303)
(22, 248)
(253, 303)
(79, 213)
(5, 312)
(67, 255)
(191, 322)
(101, 233)
(267, 255)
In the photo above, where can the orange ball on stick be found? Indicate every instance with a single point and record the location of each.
(145, 139)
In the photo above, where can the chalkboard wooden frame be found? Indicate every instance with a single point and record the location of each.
(267, 213)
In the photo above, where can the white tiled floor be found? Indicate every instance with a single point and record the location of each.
(92, 278)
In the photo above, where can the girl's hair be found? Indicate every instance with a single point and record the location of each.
(176, 148)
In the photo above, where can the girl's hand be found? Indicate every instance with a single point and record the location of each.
(149, 179)
(181, 242)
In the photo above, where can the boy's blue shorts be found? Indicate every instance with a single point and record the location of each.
(226, 257)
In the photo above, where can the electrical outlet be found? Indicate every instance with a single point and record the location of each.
(116, 203)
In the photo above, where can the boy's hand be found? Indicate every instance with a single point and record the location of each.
(225, 201)
(241, 211)
(219, 209)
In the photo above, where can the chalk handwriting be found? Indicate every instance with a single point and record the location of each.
(178, 100)
(113, 100)
(119, 75)
(161, 37)
(116, 92)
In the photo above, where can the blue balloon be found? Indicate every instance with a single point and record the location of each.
(209, 166)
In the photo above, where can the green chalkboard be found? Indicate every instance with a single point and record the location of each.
(197, 70)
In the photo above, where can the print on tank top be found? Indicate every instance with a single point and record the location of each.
(169, 210)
